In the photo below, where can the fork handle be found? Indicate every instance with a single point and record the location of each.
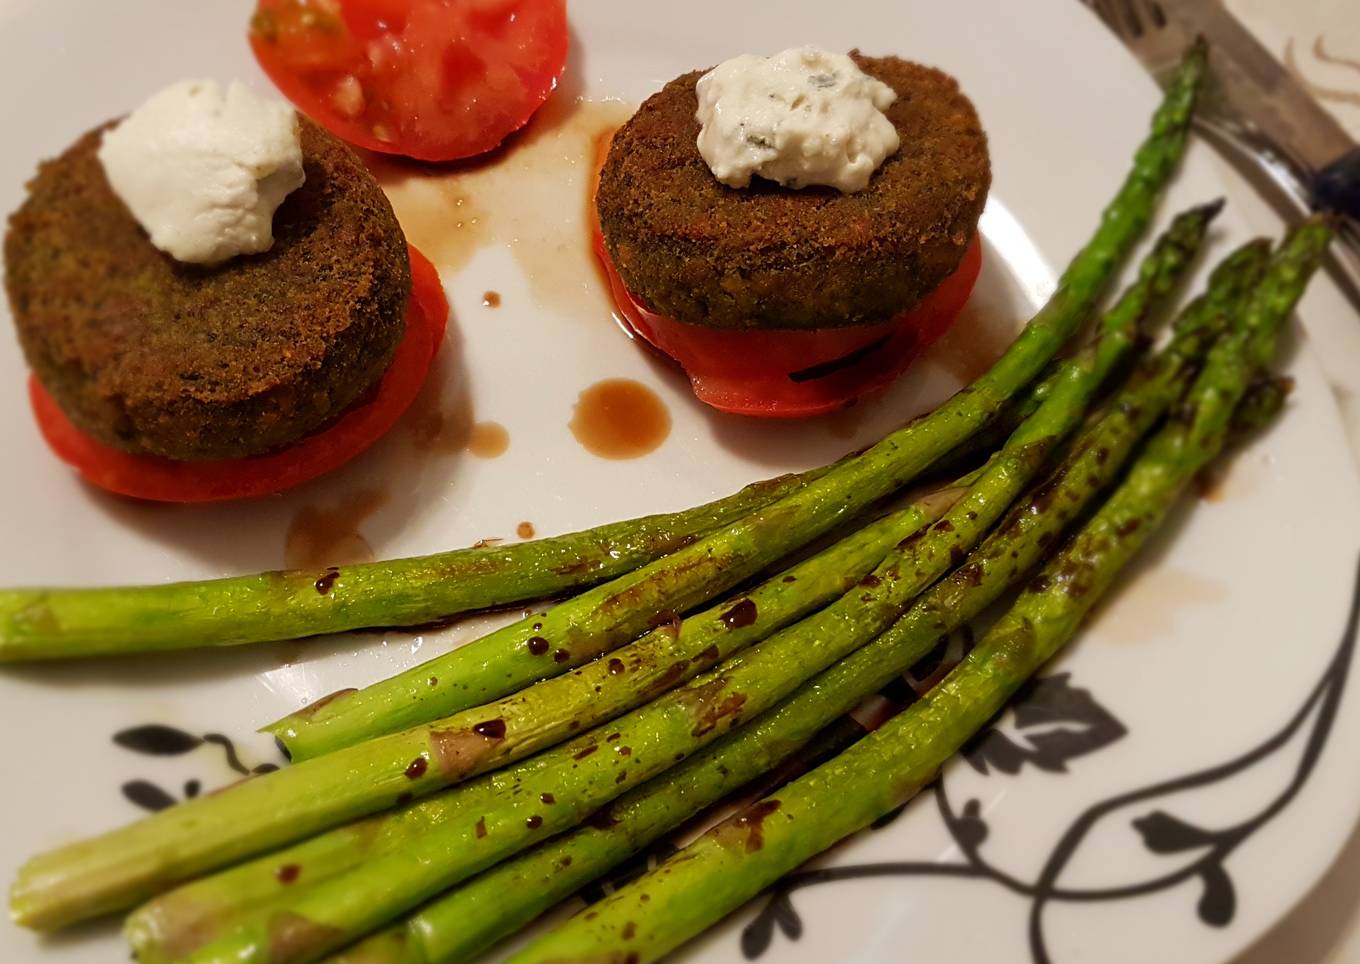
(1297, 191)
(1337, 186)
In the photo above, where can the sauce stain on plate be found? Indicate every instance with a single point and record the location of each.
(1145, 608)
(488, 440)
(513, 198)
(525, 530)
(439, 426)
(436, 212)
(328, 535)
(619, 418)
(1238, 478)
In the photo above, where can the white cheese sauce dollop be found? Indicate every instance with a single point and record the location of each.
(203, 168)
(802, 117)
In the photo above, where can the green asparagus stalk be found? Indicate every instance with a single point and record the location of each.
(468, 920)
(511, 810)
(543, 714)
(735, 861)
(410, 699)
(210, 831)
(37, 624)
(1264, 400)
(126, 866)
(167, 928)
(130, 864)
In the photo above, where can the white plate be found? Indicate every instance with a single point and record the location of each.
(1234, 617)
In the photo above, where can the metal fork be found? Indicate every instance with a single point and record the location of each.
(1158, 31)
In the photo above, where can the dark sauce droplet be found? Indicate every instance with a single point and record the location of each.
(417, 767)
(287, 873)
(742, 614)
(615, 667)
(326, 580)
(547, 798)
(669, 619)
(709, 655)
(561, 656)
(491, 729)
(537, 645)
(491, 299)
(620, 419)
(534, 822)
(191, 789)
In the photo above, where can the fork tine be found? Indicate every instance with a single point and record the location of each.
(1155, 13)
(1133, 22)
(1105, 11)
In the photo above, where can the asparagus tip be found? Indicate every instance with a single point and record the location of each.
(1210, 209)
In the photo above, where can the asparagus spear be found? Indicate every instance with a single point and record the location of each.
(551, 711)
(410, 699)
(132, 863)
(62, 623)
(110, 872)
(493, 905)
(1263, 401)
(510, 810)
(205, 833)
(167, 927)
(579, 628)
(737, 859)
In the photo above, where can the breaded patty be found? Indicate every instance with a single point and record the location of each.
(190, 362)
(701, 252)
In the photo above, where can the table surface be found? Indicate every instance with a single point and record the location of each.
(1318, 41)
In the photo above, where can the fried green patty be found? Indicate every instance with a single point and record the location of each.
(766, 256)
(190, 362)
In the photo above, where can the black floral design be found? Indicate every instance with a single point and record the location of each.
(1057, 721)
(157, 739)
(1203, 853)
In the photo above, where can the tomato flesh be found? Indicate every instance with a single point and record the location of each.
(167, 480)
(795, 374)
(435, 80)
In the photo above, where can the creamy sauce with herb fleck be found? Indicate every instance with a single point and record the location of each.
(203, 168)
(802, 117)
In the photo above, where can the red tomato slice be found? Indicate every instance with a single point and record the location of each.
(167, 480)
(794, 374)
(431, 79)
